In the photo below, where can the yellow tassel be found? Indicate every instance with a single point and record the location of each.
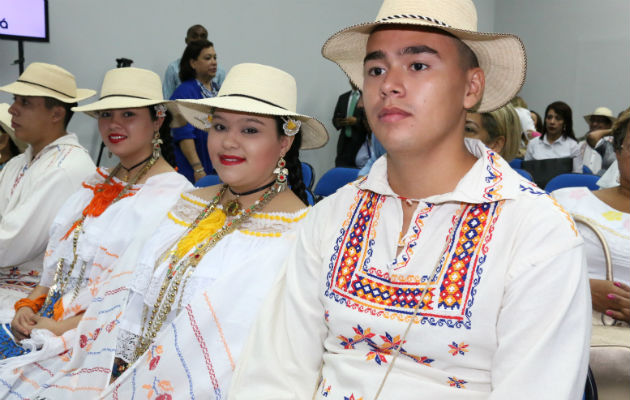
(206, 228)
(58, 310)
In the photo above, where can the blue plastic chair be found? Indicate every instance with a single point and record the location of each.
(308, 175)
(310, 197)
(334, 179)
(208, 180)
(524, 173)
(516, 163)
(572, 180)
(586, 170)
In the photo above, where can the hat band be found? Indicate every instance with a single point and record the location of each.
(44, 86)
(412, 16)
(125, 95)
(253, 98)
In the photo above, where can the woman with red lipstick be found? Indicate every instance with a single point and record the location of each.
(198, 67)
(207, 269)
(556, 142)
(114, 211)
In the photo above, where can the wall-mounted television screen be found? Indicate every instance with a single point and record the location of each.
(24, 20)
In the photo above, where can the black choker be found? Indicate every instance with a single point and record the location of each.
(137, 165)
(258, 189)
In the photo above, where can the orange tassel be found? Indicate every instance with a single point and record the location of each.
(34, 305)
(104, 195)
(58, 310)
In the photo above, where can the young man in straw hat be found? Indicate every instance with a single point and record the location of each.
(433, 276)
(599, 136)
(35, 184)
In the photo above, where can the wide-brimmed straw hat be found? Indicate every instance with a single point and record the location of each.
(501, 56)
(601, 112)
(5, 122)
(126, 88)
(256, 89)
(48, 80)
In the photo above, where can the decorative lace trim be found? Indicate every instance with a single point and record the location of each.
(126, 345)
(273, 224)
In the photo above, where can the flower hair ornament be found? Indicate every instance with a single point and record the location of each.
(291, 126)
(160, 110)
(207, 121)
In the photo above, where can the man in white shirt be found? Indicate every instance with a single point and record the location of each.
(35, 184)
(435, 275)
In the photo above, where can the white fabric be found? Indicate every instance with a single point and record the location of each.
(32, 190)
(104, 241)
(614, 224)
(520, 329)
(525, 117)
(201, 342)
(610, 177)
(541, 149)
(590, 158)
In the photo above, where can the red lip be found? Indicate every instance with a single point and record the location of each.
(392, 114)
(116, 138)
(231, 160)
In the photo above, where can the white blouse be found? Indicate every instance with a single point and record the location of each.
(614, 225)
(507, 311)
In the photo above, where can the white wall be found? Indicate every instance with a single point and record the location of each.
(578, 51)
(87, 36)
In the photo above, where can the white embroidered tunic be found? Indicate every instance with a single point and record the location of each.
(614, 225)
(32, 190)
(104, 239)
(507, 314)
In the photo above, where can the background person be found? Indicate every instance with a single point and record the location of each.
(349, 119)
(197, 69)
(10, 146)
(171, 76)
(498, 130)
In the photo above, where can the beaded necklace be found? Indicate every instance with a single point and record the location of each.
(182, 269)
(61, 280)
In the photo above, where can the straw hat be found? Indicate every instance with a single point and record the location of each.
(256, 89)
(501, 56)
(5, 123)
(602, 112)
(47, 80)
(126, 88)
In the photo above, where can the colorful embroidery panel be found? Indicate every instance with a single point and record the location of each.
(352, 281)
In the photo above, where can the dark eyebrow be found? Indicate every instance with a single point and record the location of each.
(375, 55)
(418, 50)
(254, 120)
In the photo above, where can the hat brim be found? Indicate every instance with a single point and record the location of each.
(195, 112)
(25, 89)
(587, 118)
(115, 102)
(501, 56)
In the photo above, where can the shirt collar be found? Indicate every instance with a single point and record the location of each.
(490, 179)
(67, 139)
(560, 140)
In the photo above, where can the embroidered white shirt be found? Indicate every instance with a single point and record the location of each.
(507, 310)
(32, 190)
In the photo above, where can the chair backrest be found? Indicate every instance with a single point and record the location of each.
(310, 197)
(334, 179)
(308, 175)
(572, 180)
(524, 174)
(586, 170)
(208, 180)
(516, 163)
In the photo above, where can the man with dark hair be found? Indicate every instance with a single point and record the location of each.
(171, 76)
(35, 184)
(435, 275)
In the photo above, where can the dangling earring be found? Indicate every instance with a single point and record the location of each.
(282, 174)
(156, 144)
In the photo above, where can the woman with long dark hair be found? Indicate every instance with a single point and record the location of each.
(197, 68)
